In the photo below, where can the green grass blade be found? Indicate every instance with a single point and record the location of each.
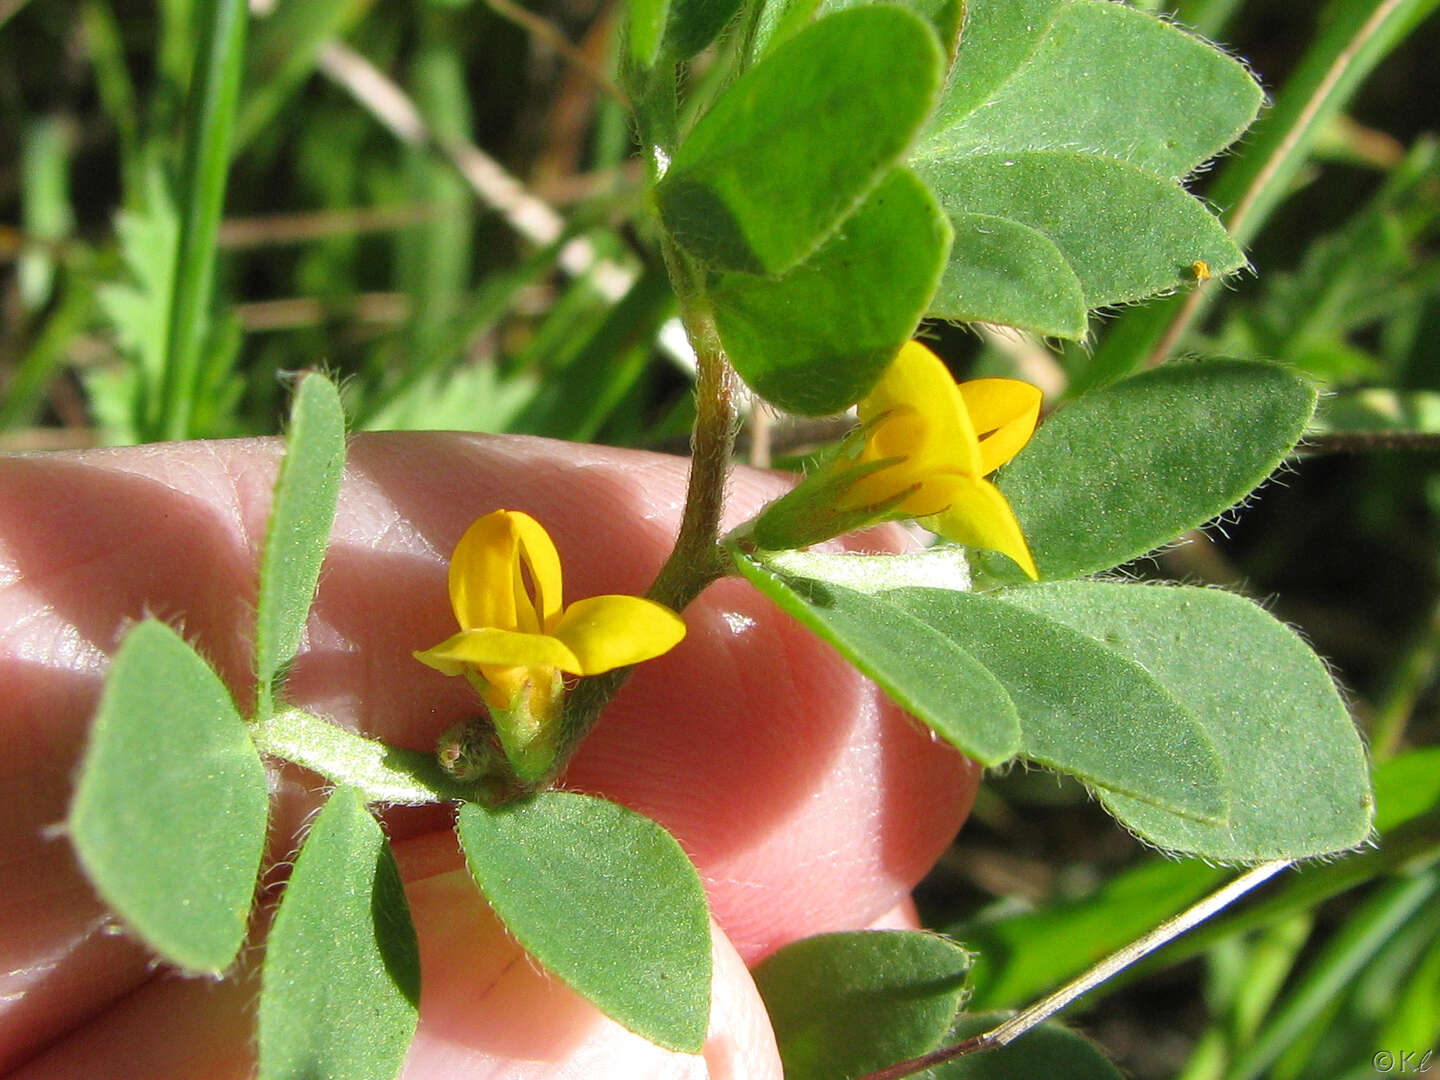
(435, 258)
(67, 319)
(45, 206)
(1357, 37)
(116, 90)
(209, 126)
(1415, 1014)
(1363, 935)
(576, 403)
(490, 303)
(1024, 955)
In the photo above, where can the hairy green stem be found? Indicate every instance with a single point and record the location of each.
(697, 558)
(381, 773)
(472, 749)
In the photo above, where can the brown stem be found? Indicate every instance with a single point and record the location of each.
(973, 1045)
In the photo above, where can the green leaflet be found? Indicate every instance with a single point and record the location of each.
(817, 338)
(993, 277)
(923, 670)
(1075, 120)
(792, 148)
(1354, 37)
(1125, 233)
(970, 668)
(997, 39)
(340, 990)
(1223, 730)
(605, 899)
(1298, 779)
(779, 19)
(1084, 708)
(169, 813)
(675, 29)
(303, 510)
(847, 1004)
(1106, 79)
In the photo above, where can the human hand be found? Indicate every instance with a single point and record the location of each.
(806, 800)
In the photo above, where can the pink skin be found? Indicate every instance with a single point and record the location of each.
(806, 800)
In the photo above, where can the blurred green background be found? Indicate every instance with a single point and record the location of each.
(437, 203)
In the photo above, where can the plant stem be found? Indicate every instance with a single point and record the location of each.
(382, 773)
(697, 558)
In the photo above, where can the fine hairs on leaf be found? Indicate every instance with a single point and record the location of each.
(606, 900)
(306, 491)
(171, 840)
(341, 980)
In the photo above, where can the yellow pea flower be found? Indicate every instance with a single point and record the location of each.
(517, 637)
(929, 444)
